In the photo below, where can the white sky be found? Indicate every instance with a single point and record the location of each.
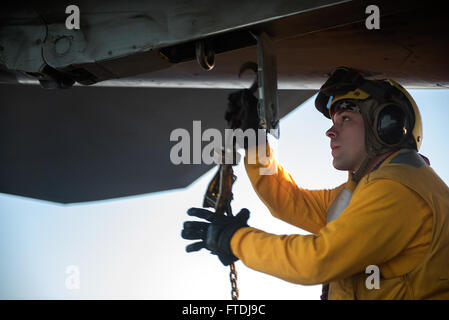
(131, 247)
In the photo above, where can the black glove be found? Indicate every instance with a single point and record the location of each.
(242, 110)
(216, 235)
(242, 114)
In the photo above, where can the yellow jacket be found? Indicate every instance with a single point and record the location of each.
(397, 219)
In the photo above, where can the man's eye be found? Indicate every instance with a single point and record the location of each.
(344, 118)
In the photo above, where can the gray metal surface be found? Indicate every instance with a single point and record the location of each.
(114, 29)
(267, 69)
(410, 47)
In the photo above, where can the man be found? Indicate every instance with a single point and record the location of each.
(393, 212)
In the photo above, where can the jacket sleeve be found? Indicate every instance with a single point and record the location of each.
(276, 188)
(382, 218)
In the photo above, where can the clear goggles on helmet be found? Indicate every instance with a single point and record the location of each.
(343, 105)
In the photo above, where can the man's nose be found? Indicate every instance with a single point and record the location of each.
(331, 133)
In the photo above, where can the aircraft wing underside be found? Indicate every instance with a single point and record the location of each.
(87, 143)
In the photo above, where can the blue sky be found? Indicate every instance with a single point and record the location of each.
(131, 248)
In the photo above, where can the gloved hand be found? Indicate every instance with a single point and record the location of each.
(242, 110)
(242, 114)
(216, 234)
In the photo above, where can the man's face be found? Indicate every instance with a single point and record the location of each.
(347, 140)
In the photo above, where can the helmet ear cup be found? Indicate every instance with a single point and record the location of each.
(391, 125)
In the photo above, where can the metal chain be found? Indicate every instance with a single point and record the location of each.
(233, 278)
(233, 273)
(219, 196)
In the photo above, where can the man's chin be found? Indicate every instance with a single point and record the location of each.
(339, 166)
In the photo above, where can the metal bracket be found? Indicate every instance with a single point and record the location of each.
(268, 107)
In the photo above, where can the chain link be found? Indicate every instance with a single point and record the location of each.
(233, 278)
